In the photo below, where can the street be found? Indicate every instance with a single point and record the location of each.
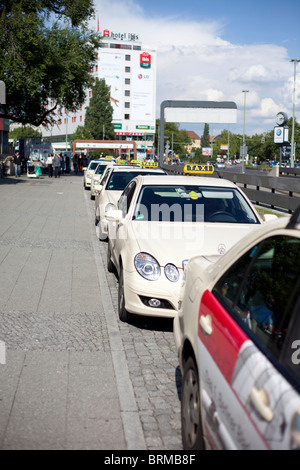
(74, 376)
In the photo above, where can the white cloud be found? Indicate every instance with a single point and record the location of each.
(195, 63)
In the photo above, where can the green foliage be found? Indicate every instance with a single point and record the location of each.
(205, 137)
(82, 133)
(98, 119)
(24, 132)
(179, 138)
(45, 53)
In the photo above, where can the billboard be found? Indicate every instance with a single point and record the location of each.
(142, 95)
(111, 69)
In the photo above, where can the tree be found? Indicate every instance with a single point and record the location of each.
(46, 53)
(179, 138)
(205, 142)
(82, 133)
(98, 118)
(24, 132)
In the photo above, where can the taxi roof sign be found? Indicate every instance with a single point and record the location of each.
(149, 164)
(199, 168)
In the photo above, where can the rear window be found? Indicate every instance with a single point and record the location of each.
(119, 179)
(93, 165)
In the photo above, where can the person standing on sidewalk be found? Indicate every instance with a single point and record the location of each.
(50, 165)
(17, 163)
(56, 165)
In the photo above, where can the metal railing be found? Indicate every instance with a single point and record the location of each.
(277, 192)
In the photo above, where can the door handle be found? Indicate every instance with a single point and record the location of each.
(206, 324)
(261, 402)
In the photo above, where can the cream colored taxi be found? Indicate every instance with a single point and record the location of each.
(97, 176)
(112, 185)
(161, 222)
(88, 172)
(237, 335)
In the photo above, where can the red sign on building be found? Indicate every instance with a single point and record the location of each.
(145, 60)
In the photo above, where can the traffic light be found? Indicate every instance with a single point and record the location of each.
(262, 140)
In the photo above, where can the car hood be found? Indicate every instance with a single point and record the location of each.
(174, 243)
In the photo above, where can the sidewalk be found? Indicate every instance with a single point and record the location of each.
(64, 378)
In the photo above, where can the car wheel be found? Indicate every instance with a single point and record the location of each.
(123, 314)
(97, 217)
(191, 425)
(102, 236)
(110, 264)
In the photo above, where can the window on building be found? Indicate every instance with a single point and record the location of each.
(126, 117)
(127, 105)
(127, 57)
(127, 92)
(127, 69)
(127, 81)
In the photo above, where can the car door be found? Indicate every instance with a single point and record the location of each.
(249, 347)
(118, 232)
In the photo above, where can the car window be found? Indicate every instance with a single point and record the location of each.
(193, 203)
(100, 169)
(119, 179)
(105, 177)
(262, 289)
(93, 165)
(126, 197)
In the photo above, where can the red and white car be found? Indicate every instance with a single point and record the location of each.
(238, 340)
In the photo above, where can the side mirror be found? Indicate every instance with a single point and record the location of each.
(98, 187)
(114, 215)
(269, 217)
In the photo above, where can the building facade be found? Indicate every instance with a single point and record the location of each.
(129, 71)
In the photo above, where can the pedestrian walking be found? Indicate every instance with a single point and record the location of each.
(68, 165)
(56, 165)
(63, 164)
(49, 163)
(75, 163)
(17, 163)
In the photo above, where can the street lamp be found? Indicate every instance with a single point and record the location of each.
(293, 122)
(244, 143)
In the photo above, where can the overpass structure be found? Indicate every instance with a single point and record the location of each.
(194, 111)
(127, 145)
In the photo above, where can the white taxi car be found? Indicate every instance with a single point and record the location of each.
(238, 340)
(88, 172)
(97, 176)
(161, 222)
(112, 185)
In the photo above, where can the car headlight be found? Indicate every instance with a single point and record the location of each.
(171, 272)
(147, 266)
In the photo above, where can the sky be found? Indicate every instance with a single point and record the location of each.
(212, 51)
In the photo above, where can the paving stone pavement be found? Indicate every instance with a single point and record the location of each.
(74, 376)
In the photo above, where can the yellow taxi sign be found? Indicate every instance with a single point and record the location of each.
(199, 169)
(135, 162)
(149, 164)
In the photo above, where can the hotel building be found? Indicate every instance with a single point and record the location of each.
(129, 70)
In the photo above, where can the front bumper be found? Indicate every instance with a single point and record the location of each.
(138, 291)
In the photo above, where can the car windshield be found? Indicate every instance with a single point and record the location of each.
(193, 204)
(100, 169)
(119, 179)
(93, 165)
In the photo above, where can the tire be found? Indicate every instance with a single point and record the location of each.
(102, 236)
(123, 314)
(191, 424)
(110, 264)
